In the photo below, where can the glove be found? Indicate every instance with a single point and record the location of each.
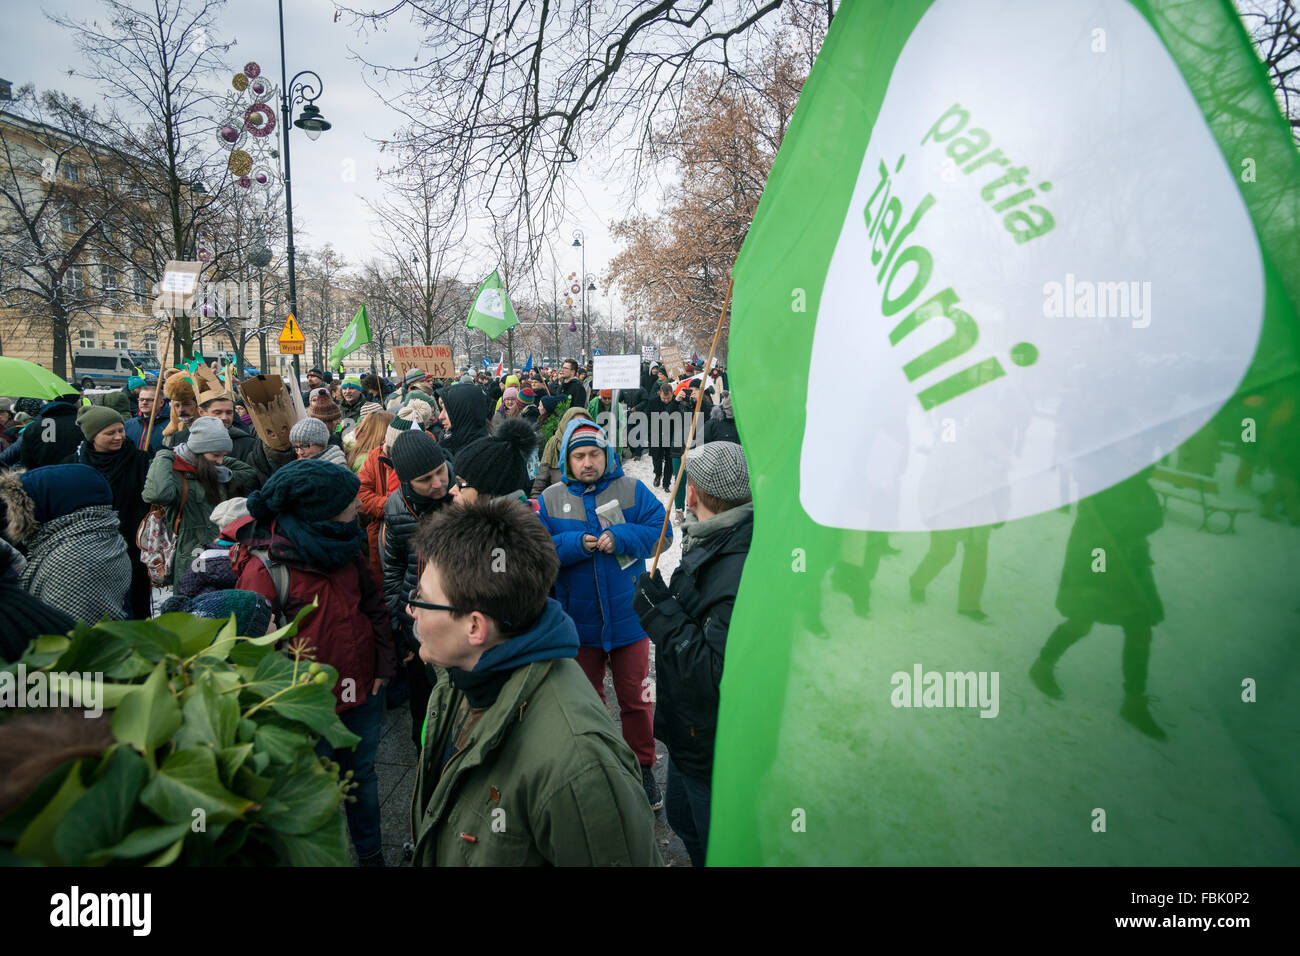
(650, 591)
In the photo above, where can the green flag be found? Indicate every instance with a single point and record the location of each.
(492, 312)
(1028, 568)
(355, 335)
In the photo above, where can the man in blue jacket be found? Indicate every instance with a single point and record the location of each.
(604, 525)
(135, 428)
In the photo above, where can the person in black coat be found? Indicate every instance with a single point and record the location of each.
(53, 435)
(661, 432)
(124, 467)
(465, 412)
(722, 428)
(688, 623)
(571, 384)
(425, 475)
(26, 617)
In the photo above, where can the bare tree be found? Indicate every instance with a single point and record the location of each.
(153, 60)
(64, 201)
(1275, 28)
(514, 92)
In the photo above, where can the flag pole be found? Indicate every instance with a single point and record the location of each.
(158, 389)
(699, 397)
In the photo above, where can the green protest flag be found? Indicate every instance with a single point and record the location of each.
(355, 335)
(1011, 596)
(492, 312)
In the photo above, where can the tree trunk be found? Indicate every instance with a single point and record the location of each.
(60, 357)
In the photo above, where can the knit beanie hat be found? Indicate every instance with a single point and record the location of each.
(415, 453)
(369, 408)
(58, 490)
(719, 469)
(93, 419)
(416, 414)
(311, 489)
(415, 395)
(607, 393)
(466, 379)
(352, 381)
(527, 396)
(324, 408)
(208, 434)
(118, 402)
(309, 431)
(498, 464)
(230, 510)
(588, 433)
(252, 611)
(552, 402)
(134, 382)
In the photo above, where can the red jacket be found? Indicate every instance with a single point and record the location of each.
(378, 481)
(349, 630)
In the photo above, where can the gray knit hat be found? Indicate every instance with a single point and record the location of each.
(208, 434)
(309, 431)
(718, 468)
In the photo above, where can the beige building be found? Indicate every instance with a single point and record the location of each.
(45, 163)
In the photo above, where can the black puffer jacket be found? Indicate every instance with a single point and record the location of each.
(402, 515)
(38, 451)
(689, 632)
(721, 429)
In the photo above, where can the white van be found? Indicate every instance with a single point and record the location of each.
(111, 367)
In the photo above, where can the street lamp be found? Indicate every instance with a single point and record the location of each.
(578, 237)
(305, 87)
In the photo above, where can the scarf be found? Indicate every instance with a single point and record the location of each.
(323, 545)
(183, 452)
(694, 530)
(552, 636)
(111, 464)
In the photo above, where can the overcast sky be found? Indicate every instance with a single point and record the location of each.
(326, 208)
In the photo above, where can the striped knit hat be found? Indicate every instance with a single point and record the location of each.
(416, 414)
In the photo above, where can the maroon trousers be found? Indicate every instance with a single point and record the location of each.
(631, 667)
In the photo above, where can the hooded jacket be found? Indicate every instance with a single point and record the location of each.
(37, 450)
(544, 756)
(163, 486)
(76, 558)
(548, 467)
(591, 587)
(467, 410)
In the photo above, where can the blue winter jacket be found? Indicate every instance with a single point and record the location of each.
(592, 588)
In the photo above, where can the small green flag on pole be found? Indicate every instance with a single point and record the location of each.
(492, 312)
(355, 335)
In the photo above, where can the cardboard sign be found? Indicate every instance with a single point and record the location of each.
(671, 359)
(616, 371)
(177, 285)
(433, 360)
(649, 353)
(271, 409)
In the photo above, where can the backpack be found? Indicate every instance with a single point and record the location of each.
(157, 542)
(279, 575)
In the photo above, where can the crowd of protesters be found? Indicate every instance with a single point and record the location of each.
(474, 544)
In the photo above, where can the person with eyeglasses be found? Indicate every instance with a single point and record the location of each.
(424, 475)
(135, 428)
(311, 439)
(521, 764)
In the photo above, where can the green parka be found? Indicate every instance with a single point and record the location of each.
(163, 486)
(543, 779)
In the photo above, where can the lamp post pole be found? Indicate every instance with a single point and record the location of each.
(314, 125)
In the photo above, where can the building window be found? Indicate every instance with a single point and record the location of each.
(121, 340)
(141, 284)
(71, 173)
(87, 339)
(74, 282)
(69, 219)
(151, 343)
(108, 278)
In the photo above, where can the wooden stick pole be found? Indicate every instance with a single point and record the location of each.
(699, 398)
(158, 389)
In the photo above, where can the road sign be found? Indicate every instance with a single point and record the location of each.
(291, 338)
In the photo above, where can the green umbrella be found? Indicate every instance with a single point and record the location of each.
(19, 379)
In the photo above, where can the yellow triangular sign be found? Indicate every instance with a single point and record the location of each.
(291, 332)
